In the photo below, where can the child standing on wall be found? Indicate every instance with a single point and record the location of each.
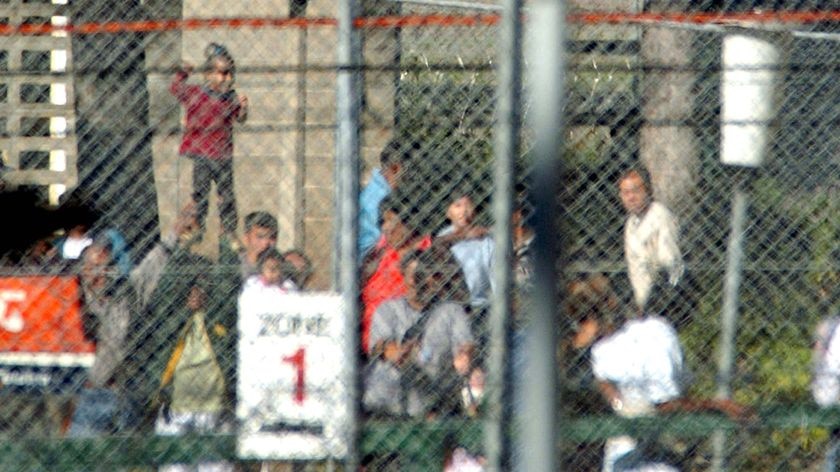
(210, 111)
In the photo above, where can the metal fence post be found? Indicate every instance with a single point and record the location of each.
(497, 429)
(729, 316)
(347, 193)
(300, 141)
(748, 89)
(546, 21)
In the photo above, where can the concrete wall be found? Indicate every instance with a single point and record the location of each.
(284, 153)
(36, 109)
(264, 165)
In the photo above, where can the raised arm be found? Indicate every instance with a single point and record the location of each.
(178, 87)
(471, 232)
(145, 276)
(242, 110)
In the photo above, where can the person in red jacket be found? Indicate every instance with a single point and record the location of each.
(381, 278)
(211, 110)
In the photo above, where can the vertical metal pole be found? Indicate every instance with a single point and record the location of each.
(397, 62)
(729, 316)
(749, 101)
(300, 143)
(546, 21)
(497, 426)
(830, 464)
(347, 200)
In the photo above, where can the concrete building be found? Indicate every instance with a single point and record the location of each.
(36, 100)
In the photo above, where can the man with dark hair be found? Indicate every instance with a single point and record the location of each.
(262, 219)
(260, 234)
(393, 160)
(650, 237)
(421, 339)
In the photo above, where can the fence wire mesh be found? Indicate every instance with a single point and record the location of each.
(169, 164)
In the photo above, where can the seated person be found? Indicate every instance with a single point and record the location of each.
(421, 343)
(470, 244)
(381, 277)
(383, 393)
(638, 368)
(300, 266)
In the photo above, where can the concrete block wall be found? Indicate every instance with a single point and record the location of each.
(285, 153)
(264, 147)
(162, 59)
(36, 102)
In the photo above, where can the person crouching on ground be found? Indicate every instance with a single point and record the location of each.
(638, 368)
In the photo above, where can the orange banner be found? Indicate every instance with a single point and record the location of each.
(41, 314)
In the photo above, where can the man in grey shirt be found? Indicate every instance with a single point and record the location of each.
(110, 302)
(415, 340)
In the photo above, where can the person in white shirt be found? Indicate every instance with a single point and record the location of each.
(638, 368)
(274, 274)
(825, 383)
(651, 244)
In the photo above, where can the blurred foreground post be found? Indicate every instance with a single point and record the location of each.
(546, 22)
(347, 198)
(499, 412)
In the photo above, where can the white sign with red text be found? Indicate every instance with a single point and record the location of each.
(292, 398)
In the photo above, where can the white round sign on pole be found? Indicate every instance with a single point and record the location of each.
(748, 88)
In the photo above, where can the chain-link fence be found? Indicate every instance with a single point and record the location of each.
(174, 225)
(660, 97)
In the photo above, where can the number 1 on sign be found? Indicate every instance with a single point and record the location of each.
(297, 360)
